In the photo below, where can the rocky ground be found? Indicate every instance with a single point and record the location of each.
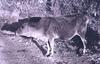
(17, 50)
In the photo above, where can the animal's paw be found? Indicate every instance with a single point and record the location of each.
(48, 54)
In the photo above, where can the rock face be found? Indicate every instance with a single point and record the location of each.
(84, 14)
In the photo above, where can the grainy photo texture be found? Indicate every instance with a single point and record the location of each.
(49, 32)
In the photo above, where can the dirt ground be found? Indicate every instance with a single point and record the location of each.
(18, 50)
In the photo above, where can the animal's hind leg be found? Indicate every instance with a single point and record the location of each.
(52, 42)
(52, 46)
(48, 49)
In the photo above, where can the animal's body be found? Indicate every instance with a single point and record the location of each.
(49, 29)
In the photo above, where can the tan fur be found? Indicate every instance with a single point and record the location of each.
(48, 29)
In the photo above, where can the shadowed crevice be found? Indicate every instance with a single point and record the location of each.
(92, 38)
(40, 47)
(79, 44)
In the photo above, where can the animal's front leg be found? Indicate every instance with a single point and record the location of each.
(84, 45)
